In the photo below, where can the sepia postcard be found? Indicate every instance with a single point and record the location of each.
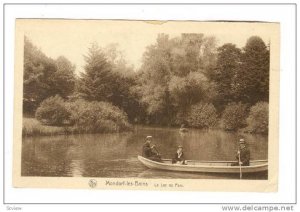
(149, 105)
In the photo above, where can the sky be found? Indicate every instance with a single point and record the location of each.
(71, 38)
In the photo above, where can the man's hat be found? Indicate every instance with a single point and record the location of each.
(180, 147)
(148, 137)
(242, 141)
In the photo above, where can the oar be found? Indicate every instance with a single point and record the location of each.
(240, 165)
(157, 152)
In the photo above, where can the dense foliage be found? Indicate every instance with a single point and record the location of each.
(97, 117)
(173, 76)
(258, 118)
(183, 80)
(252, 81)
(44, 77)
(202, 115)
(234, 116)
(82, 116)
(52, 111)
(107, 78)
(225, 73)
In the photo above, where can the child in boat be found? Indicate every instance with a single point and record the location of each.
(149, 151)
(179, 157)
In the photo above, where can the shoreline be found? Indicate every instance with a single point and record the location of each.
(33, 128)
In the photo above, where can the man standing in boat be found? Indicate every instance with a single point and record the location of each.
(149, 151)
(243, 154)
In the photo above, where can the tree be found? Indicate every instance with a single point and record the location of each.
(227, 66)
(192, 52)
(125, 79)
(97, 83)
(44, 77)
(52, 111)
(155, 99)
(64, 78)
(97, 117)
(152, 86)
(173, 75)
(108, 78)
(117, 60)
(124, 98)
(258, 119)
(186, 54)
(186, 91)
(38, 72)
(157, 60)
(252, 81)
(234, 116)
(202, 115)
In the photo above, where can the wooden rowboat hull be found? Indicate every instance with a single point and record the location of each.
(206, 166)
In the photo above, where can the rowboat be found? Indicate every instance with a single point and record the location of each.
(206, 166)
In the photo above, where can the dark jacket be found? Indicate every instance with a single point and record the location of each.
(244, 156)
(177, 158)
(147, 151)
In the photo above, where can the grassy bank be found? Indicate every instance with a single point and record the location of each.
(32, 127)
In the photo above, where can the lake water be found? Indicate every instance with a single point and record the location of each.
(115, 155)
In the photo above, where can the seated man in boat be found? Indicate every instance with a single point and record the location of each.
(243, 154)
(149, 151)
(179, 157)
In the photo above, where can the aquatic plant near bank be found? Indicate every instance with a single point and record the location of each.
(258, 119)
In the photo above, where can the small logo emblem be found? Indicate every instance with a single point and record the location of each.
(92, 183)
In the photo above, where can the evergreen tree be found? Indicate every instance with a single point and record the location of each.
(227, 67)
(98, 81)
(252, 81)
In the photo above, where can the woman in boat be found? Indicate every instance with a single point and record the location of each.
(149, 151)
(243, 154)
(179, 157)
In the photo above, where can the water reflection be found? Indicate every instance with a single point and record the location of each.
(115, 155)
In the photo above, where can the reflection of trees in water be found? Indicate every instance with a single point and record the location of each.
(115, 155)
(220, 145)
(45, 157)
(209, 145)
(258, 145)
(103, 152)
(70, 155)
(165, 139)
(76, 168)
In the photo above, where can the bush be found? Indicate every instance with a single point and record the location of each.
(97, 117)
(258, 119)
(52, 111)
(234, 116)
(202, 115)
